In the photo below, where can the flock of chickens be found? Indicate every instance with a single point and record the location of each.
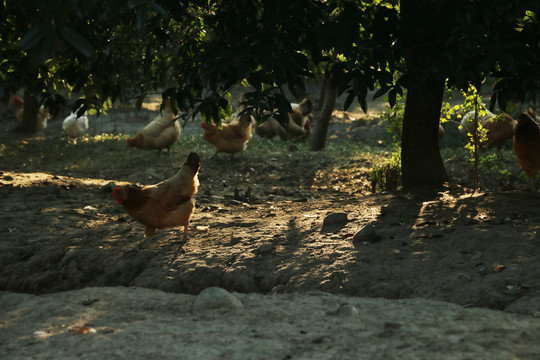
(73, 125)
(231, 137)
(170, 203)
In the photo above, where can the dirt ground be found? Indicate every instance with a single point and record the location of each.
(258, 229)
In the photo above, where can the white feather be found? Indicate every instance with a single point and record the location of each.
(75, 126)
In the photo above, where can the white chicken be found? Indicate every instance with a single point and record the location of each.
(74, 126)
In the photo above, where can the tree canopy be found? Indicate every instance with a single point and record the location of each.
(199, 50)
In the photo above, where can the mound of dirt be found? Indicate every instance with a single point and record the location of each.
(135, 323)
(62, 233)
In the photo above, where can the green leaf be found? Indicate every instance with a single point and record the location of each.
(363, 103)
(392, 97)
(77, 41)
(381, 92)
(34, 36)
(349, 100)
(283, 105)
(223, 103)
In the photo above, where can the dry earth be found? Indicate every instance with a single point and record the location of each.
(258, 231)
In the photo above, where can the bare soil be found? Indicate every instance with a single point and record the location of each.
(258, 228)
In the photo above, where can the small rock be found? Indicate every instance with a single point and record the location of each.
(347, 310)
(235, 240)
(367, 234)
(215, 298)
(266, 249)
(108, 187)
(334, 222)
(335, 218)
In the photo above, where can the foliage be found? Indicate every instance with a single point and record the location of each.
(199, 50)
(394, 116)
(120, 49)
(100, 50)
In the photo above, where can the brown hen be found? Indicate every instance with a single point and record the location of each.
(527, 146)
(169, 203)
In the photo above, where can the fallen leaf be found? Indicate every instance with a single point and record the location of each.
(90, 301)
(498, 268)
(83, 330)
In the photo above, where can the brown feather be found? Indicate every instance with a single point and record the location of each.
(527, 145)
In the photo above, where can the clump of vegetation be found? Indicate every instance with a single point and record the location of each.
(490, 162)
(386, 176)
(476, 133)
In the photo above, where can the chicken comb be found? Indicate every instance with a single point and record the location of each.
(115, 194)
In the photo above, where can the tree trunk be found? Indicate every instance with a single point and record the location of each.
(421, 162)
(321, 125)
(322, 95)
(31, 108)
